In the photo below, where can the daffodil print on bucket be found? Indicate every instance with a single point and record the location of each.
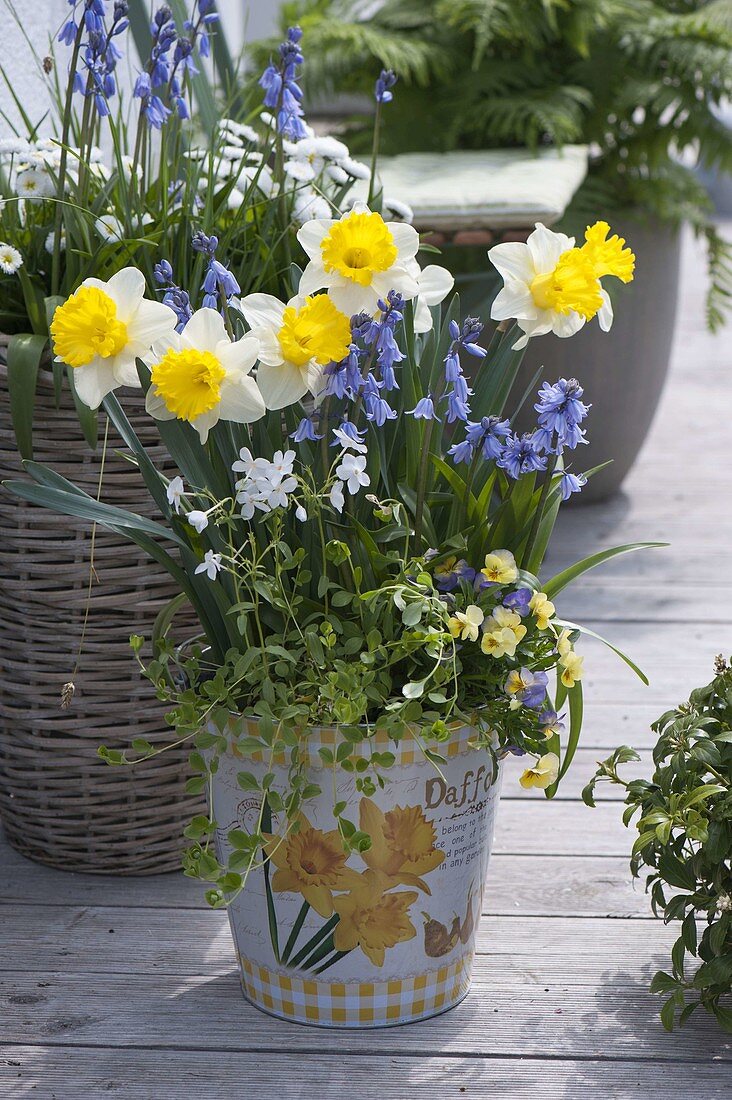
(383, 933)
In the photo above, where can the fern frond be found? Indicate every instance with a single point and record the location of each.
(719, 294)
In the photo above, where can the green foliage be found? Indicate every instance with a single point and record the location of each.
(685, 843)
(640, 82)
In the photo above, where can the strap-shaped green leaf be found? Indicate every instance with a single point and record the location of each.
(24, 358)
(561, 580)
(591, 633)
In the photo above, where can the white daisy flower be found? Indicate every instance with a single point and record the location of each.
(50, 240)
(296, 341)
(10, 259)
(103, 328)
(359, 259)
(356, 169)
(239, 130)
(308, 205)
(400, 210)
(200, 375)
(34, 183)
(13, 146)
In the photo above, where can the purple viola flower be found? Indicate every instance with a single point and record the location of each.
(450, 572)
(551, 722)
(527, 686)
(518, 601)
(521, 455)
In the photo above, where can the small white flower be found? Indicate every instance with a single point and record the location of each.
(352, 472)
(299, 170)
(337, 174)
(127, 163)
(238, 130)
(211, 565)
(13, 147)
(34, 183)
(248, 497)
(175, 491)
(276, 493)
(310, 205)
(401, 210)
(110, 228)
(198, 520)
(300, 513)
(336, 496)
(349, 444)
(355, 168)
(51, 238)
(251, 467)
(283, 463)
(10, 259)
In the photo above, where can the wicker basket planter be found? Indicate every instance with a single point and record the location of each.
(59, 802)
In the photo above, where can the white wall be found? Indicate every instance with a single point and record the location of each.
(240, 18)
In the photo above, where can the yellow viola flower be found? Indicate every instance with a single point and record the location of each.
(466, 624)
(502, 642)
(372, 919)
(542, 608)
(571, 665)
(311, 863)
(550, 285)
(403, 843)
(296, 341)
(202, 376)
(103, 328)
(500, 567)
(359, 258)
(544, 772)
(564, 645)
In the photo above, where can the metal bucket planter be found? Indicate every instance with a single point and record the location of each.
(59, 803)
(371, 940)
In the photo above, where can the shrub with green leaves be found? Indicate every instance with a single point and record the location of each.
(685, 844)
(640, 82)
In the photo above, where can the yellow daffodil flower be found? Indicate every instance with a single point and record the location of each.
(500, 567)
(542, 609)
(466, 624)
(550, 285)
(296, 341)
(403, 843)
(371, 918)
(312, 863)
(202, 376)
(544, 772)
(103, 328)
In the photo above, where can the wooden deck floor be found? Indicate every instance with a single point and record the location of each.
(127, 987)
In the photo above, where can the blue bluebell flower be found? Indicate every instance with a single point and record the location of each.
(462, 338)
(521, 455)
(305, 430)
(282, 93)
(571, 483)
(560, 413)
(176, 298)
(348, 429)
(386, 81)
(485, 435)
(219, 285)
(424, 409)
(461, 452)
(518, 601)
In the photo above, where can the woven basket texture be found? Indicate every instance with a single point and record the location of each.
(59, 802)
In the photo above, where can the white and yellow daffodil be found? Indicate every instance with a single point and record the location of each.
(103, 328)
(295, 342)
(202, 376)
(543, 773)
(550, 285)
(359, 258)
(435, 283)
(466, 624)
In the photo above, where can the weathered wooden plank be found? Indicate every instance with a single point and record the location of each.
(542, 990)
(530, 885)
(102, 940)
(62, 1074)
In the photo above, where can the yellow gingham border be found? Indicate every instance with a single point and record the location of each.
(407, 751)
(356, 1004)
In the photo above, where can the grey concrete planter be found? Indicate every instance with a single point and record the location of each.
(623, 371)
